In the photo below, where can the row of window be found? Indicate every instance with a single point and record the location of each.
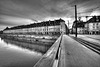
(36, 29)
(94, 26)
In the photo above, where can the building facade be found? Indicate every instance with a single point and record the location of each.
(50, 28)
(92, 26)
(80, 27)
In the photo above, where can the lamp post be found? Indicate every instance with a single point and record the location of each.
(76, 20)
(68, 23)
(68, 28)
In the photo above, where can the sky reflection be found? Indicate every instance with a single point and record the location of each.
(15, 56)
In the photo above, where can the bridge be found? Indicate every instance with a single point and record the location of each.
(68, 52)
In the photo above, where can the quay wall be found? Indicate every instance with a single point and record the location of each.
(28, 42)
(32, 47)
(33, 40)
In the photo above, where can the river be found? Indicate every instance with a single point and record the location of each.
(12, 55)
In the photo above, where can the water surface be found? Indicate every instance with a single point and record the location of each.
(12, 55)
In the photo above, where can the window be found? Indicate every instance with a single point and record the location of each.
(97, 23)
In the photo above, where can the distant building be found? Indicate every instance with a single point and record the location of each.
(93, 25)
(1, 32)
(80, 27)
(55, 27)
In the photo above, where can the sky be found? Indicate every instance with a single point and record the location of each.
(20, 12)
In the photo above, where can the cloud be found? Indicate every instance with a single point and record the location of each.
(12, 21)
(45, 8)
(15, 12)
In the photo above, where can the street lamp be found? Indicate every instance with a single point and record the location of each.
(76, 20)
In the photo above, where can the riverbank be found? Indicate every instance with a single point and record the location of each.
(32, 39)
(30, 42)
(33, 47)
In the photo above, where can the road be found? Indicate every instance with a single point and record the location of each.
(94, 36)
(90, 38)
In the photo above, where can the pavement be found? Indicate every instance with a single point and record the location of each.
(74, 54)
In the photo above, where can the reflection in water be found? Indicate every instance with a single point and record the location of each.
(20, 54)
(23, 45)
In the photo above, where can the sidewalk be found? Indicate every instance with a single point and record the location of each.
(73, 54)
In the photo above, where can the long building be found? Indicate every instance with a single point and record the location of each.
(51, 28)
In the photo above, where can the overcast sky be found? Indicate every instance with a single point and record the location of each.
(18, 12)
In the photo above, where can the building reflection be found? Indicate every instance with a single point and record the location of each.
(33, 47)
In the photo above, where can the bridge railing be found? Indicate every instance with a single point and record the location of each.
(51, 56)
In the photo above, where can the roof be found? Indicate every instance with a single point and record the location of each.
(44, 23)
(79, 24)
(59, 20)
(94, 19)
